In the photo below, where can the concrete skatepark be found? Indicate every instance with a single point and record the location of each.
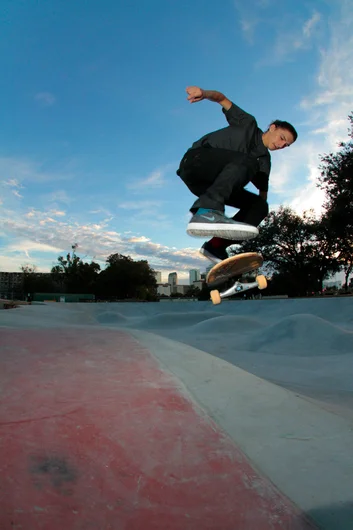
(177, 415)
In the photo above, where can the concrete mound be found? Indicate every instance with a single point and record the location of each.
(175, 320)
(302, 334)
(228, 324)
(111, 317)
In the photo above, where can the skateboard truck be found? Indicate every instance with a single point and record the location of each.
(238, 287)
(234, 267)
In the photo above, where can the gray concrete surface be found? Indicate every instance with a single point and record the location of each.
(276, 375)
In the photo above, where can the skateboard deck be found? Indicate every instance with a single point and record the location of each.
(234, 266)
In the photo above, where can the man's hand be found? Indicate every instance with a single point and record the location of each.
(263, 195)
(195, 94)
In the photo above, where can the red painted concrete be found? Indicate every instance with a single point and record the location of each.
(95, 435)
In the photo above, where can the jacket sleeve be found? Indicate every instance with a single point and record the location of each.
(261, 178)
(260, 181)
(237, 116)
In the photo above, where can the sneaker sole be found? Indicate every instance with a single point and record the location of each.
(227, 231)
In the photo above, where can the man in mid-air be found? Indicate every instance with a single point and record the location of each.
(219, 165)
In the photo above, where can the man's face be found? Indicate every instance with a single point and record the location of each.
(278, 138)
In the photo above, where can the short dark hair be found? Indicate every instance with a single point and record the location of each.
(285, 125)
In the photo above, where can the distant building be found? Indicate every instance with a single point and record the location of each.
(209, 268)
(198, 284)
(11, 285)
(158, 276)
(194, 276)
(181, 289)
(164, 289)
(173, 281)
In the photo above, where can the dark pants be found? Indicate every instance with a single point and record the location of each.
(217, 177)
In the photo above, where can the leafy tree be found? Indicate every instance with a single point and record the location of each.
(345, 258)
(297, 249)
(73, 275)
(193, 291)
(33, 281)
(336, 180)
(122, 278)
(29, 278)
(125, 278)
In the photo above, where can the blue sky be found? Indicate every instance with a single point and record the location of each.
(95, 117)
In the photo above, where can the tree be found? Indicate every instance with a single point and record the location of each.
(122, 278)
(346, 259)
(36, 282)
(29, 278)
(297, 251)
(192, 291)
(75, 276)
(126, 278)
(336, 179)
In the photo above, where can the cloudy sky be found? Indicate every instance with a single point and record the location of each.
(95, 117)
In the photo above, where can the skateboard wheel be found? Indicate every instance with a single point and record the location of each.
(215, 297)
(261, 282)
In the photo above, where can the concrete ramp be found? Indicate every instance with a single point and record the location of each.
(305, 450)
(106, 426)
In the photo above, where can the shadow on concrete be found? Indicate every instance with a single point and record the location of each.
(333, 517)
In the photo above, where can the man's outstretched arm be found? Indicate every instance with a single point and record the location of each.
(236, 116)
(196, 94)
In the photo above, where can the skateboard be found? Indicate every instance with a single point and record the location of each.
(232, 268)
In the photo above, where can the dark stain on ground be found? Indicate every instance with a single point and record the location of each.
(55, 469)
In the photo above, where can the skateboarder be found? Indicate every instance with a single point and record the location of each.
(219, 165)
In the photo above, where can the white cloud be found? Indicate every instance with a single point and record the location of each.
(140, 205)
(11, 263)
(283, 163)
(331, 102)
(248, 26)
(138, 239)
(59, 196)
(19, 170)
(156, 179)
(310, 24)
(145, 214)
(296, 176)
(31, 213)
(247, 19)
(12, 183)
(293, 34)
(165, 258)
(327, 110)
(17, 253)
(57, 213)
(309, 198)
(27, 245)
(37, 231)
(292, 39)
(47, 220)
(292, 165)
(46, 99)
(11, 188)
